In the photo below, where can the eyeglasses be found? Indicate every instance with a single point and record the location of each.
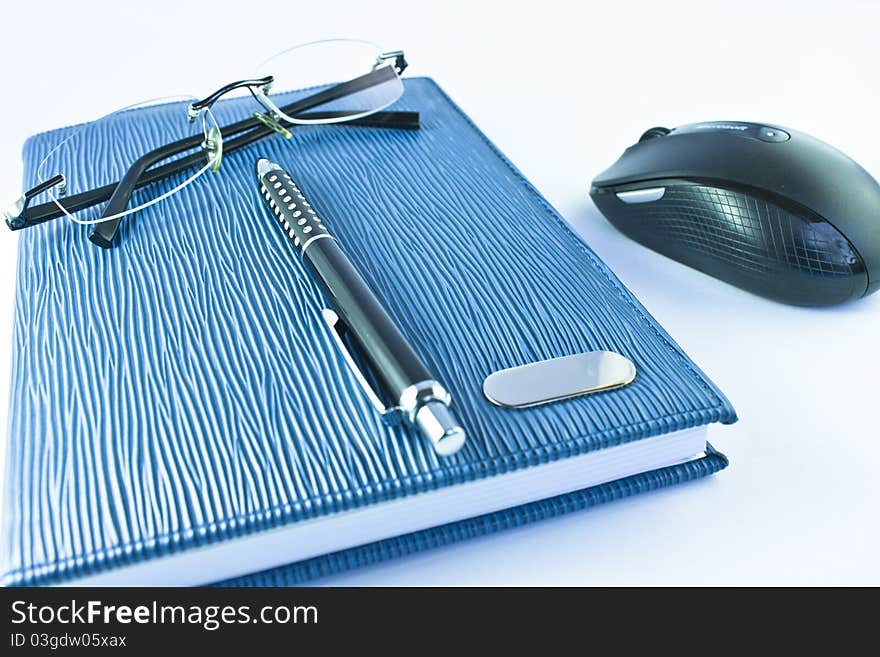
(355, 82)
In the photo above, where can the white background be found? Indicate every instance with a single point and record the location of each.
(563, 88)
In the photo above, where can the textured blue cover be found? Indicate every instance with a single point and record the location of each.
(182, 389)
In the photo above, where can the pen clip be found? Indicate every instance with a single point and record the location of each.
(391, 414)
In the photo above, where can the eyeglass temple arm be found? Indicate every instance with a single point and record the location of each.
(104, 232)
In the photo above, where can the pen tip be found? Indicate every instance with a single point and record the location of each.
(264, 166)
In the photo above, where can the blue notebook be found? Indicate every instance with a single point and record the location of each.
(180, 413)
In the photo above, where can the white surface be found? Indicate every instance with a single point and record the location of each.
(303, 540)
(563, 88)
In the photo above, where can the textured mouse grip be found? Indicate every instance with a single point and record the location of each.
(296, 215)
(745, 240)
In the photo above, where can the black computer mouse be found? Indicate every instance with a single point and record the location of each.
(771, 210)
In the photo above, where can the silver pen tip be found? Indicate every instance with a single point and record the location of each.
(264, 166)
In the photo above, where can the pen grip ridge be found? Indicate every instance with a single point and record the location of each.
(295, 214)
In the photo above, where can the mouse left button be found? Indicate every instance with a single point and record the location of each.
(641, 195)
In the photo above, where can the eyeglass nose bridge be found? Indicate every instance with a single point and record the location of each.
(196, 108)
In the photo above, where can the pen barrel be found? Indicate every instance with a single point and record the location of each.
(401, 373)
(390, 355)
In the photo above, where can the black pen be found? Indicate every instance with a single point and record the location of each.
(405, 378)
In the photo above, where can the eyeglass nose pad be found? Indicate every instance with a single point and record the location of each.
(213, 144)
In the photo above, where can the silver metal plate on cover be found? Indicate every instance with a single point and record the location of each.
(558, 378)
(642, 195)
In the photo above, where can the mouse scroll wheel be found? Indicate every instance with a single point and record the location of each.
(653, 133)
